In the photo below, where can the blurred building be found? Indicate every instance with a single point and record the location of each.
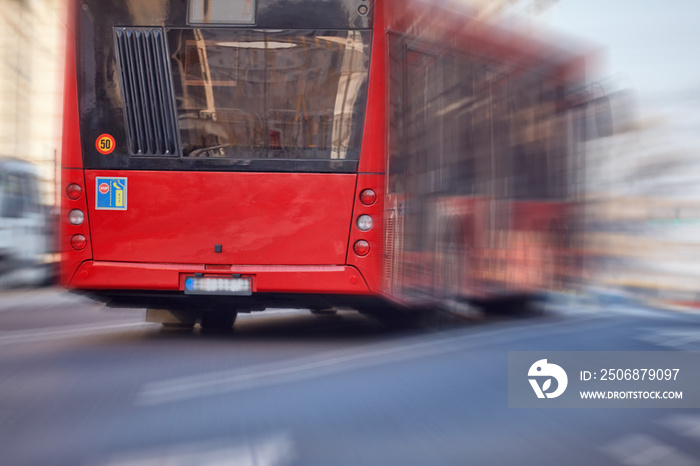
(31, 83)
(643, 197)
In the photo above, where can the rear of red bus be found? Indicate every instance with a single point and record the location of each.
(223, 154)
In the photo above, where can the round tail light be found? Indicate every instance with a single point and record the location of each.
(76, 217)
(368, 197)
(361, 248)
(74, 191)
(78, 242)
(365, 222)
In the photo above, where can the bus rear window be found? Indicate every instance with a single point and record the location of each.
(294, 94)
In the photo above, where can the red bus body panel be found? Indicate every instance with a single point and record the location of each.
(372, 156)
(101, 275)
(371, 264)
(294, 232)
(71, 160)
(257, 218)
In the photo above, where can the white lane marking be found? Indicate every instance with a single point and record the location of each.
(213, 383)
(643, 450)
(671, 338)
(274, 450)
(32, 336)
(688, 426)
(639, 311)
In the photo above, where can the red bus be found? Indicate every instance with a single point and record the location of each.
(225, 156)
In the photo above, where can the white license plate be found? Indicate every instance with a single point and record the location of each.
(218, 285)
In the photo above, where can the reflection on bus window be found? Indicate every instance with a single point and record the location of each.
(250, 94)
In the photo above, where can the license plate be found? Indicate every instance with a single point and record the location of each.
(218, 285)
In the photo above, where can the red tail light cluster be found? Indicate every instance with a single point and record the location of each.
(364, 222)
(76, 216)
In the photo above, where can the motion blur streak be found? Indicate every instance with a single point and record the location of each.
(33, 336)
(509, 169)
(279, 373)
(31, 48)
(26, 227)
(642, 449)
(273, 450)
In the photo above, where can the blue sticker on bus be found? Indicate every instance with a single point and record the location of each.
(110, 193)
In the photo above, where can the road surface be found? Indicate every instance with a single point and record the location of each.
(86, 385)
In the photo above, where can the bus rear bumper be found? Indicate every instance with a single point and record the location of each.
(321, 279)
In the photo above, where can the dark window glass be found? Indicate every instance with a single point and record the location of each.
(260, 94)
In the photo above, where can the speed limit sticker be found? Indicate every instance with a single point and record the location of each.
(105, 144)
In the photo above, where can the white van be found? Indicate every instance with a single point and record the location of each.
(25, 227)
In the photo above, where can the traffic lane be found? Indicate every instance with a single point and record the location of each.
(93, 384)
(63, 388)
(447, 410)
(41, 308)
(64, 391)
(114, 358)
(273, 336)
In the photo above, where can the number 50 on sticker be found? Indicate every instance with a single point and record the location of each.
(105, 144)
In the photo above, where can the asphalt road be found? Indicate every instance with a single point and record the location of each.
(84, 385)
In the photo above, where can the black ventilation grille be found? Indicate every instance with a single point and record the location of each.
(145, 80)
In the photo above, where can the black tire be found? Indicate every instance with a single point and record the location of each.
(397, 318)
(217, 320)
(514, 306)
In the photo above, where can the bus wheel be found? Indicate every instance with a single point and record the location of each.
(217, 320)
